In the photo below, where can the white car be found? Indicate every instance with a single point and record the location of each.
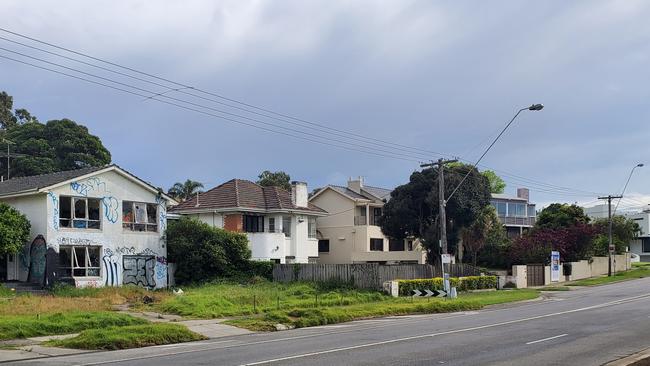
(634, 258)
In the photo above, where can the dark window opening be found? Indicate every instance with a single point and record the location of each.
(377, 245)
(324, 246)
(253, 224)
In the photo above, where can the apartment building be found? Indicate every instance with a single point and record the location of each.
(516, 213)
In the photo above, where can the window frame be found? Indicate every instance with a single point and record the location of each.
(644, 242)
(148, 226)
(321, 244)
(396, 242)
(74, 261)
(311, 227)
(375, 240)
(253, 223)
(286, 229)
(271, 224)
(86, 220)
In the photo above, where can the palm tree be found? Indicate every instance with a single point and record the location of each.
(183, 191)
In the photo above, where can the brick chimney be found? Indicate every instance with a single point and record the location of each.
(523, 193)
(299, 194)
(355, 184)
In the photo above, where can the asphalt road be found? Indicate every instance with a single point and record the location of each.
(590, 326)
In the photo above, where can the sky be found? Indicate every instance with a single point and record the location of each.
(387, 76)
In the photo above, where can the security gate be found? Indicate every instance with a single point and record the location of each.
(535, 275)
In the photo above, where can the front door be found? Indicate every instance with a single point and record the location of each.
(12, 267)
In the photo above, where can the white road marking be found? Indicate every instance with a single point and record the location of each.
(380, 343)
(433, 317)
(548, 339)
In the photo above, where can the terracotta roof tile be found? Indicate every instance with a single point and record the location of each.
(240, 193)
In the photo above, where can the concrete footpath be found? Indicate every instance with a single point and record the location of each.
(33, 348)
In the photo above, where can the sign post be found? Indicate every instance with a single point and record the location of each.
(555, 266)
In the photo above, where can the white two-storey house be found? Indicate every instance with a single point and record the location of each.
(97, 226)
(280, 225)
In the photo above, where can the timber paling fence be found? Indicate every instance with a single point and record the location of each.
(365, 275)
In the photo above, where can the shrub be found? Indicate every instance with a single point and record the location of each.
(14, 229)
(406, 287)
(202, 252)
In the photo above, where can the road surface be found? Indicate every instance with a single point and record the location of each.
(589, 326)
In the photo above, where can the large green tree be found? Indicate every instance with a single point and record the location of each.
(497, 185)
(413, 207)
(624, 230)
(45, 148)
(277, 179)
(185, 190)
(475, 236)
(559, 215)
(14, 229)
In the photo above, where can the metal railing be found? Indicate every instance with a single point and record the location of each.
(512, 220)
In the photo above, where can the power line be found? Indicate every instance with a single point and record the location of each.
(182, 88)
(199, 111)
(152, 94)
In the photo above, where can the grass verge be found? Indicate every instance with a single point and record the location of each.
(306, 317)
(637, 271)
(25, 326)
(229, 299)
(132, 336)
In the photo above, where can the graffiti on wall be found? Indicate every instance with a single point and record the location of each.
(111, 267)
(55, 210)
(111, 206)
(98, 187)
(139, 270)
(162, 212)
(161, 270)
(93, 184)
(37, 255)
(76, 241)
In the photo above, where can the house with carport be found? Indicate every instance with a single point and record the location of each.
(95, 226)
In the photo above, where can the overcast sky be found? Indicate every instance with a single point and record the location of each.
(439, 76)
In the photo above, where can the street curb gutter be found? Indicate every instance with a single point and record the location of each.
(629, 360)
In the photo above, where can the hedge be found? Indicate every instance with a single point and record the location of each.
(406, 287)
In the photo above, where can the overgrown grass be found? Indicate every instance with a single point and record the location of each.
(6, 292)
(25, 326)
(132, 336)
(231, 299)
(639, 270)
(305, 317)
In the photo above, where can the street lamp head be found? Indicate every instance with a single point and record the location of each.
(536, 107)
(640, 165)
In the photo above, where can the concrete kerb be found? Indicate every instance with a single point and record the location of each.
(632, 359)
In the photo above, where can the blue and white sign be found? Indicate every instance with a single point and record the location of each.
(555, 266)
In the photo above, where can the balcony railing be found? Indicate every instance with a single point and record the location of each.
(522, 221)
(360, 220)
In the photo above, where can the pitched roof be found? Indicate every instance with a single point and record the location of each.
(242, 194)
(348, 192)
(382, 193)
(35, 182)
(368, 193)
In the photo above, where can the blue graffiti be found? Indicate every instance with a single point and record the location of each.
(55, 210)
(162, 212)
(111, 266)
(89, 185)
(111, 206)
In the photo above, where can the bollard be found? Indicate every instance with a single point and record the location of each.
(453, 294)
(254, 304)
(278, 302)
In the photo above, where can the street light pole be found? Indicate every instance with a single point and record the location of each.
(640, 165)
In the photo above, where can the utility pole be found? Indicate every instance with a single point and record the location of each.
(441, 199)
(611, 242)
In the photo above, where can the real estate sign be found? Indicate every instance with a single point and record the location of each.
(555, 266)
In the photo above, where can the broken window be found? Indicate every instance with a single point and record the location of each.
(140, 216)
(80, 261)
(79, 212)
